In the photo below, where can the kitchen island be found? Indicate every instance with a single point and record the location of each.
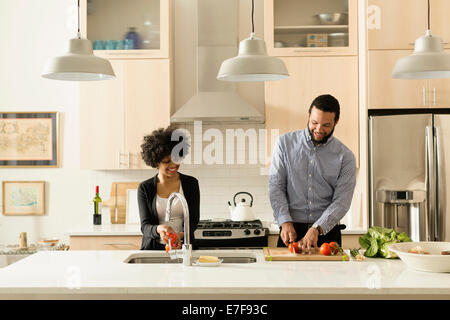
(105, 275)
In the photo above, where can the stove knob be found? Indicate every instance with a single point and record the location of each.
(257, 231)
(247, 232)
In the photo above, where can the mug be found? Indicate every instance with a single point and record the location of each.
(110, 45)
(99, 45)
(129, 44)
(120, 45)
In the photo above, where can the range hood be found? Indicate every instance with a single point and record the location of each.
(217, 40)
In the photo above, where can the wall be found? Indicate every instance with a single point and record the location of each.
(30, 40)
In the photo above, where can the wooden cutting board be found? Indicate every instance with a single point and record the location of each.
(117, 202)
(283, 254)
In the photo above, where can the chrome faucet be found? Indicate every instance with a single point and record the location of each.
(187, 246)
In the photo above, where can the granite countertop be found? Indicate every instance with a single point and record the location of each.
(100, 274)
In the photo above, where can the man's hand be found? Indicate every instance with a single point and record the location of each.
(288, 233)
(309, 241)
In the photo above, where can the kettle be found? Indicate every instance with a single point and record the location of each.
(243, 210)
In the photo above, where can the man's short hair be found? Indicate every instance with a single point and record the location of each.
(326, 103)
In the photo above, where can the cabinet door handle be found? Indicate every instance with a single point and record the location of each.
(118, 244)
(119, 159)
(434, 96)
(424, 96)
(128, 160)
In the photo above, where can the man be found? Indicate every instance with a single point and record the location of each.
(312, 179)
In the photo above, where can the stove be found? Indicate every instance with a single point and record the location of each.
(231, 234)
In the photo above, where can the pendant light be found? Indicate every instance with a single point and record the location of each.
(428, 61)
(252, 62)
(79, 63)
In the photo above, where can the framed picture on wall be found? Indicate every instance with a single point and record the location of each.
(23, 198)
(29, 139)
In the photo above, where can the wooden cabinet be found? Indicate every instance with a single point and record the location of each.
(386, 92)
(397, 24)
(105, 242)
(116, 114)
(292, 28)
(111, 20)
(288, 101)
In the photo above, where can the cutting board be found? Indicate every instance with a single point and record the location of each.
(117, 202)
(283, 254)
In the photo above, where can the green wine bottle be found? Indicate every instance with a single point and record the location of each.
(97, 208)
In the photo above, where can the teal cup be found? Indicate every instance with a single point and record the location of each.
(99, 45)
(120, 45)
(129, 44)
(110, 45)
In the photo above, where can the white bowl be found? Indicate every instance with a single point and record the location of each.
(433, 262)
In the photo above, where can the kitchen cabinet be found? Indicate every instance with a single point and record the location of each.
(288, 101)
(116, 114)
(292, 28)
(105, 242)
(387, 92)
(397, 24)
(111, 20)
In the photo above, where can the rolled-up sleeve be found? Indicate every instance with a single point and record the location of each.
(343, 194)
(278, 185)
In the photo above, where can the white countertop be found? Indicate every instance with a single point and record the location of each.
(104, 275)
(135, 230)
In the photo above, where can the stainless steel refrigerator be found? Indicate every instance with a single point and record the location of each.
(409, 172)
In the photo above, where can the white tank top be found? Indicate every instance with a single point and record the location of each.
(176, 212)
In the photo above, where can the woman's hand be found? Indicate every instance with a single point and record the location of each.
(164, 231)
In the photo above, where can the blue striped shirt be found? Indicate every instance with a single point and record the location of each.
(309, 183)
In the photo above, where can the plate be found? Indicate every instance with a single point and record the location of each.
(208, 264)
(433, 262)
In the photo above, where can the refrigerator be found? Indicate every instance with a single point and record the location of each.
(409, 172)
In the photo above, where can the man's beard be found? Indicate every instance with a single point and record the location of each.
(324, 139)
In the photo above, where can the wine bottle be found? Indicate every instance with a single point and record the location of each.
(97, 208)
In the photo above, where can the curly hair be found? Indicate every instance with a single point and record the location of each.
(161, 143)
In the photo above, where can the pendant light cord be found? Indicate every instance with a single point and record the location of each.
(428, 14)
(78, 20)
(253, 12)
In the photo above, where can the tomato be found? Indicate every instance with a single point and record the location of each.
(293, 246)
(325, 249)
(335, 248)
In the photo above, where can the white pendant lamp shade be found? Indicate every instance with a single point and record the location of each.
(252, 64)
(428, 61)
(78, 64)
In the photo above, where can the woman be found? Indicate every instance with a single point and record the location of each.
(153, 193)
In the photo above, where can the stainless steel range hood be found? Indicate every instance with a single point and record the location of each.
(217, 40)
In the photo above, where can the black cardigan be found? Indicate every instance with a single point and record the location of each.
(149, 217)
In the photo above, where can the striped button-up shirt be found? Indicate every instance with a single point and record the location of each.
(310, 183)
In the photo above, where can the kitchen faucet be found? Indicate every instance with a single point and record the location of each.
(187, 246)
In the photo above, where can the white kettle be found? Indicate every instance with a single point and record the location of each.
(242, 211)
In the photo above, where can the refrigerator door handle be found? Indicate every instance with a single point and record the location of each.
(430, 180)
(436, 177)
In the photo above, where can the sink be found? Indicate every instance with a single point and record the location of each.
(168, 260)
(227, 256)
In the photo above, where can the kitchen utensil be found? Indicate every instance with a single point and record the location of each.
(243, 210)
(435, 261)
(332, 18)
(118, 201)
(283, 254)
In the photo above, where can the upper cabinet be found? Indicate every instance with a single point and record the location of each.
(397, 24)
(311, 28)
(128, 29)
